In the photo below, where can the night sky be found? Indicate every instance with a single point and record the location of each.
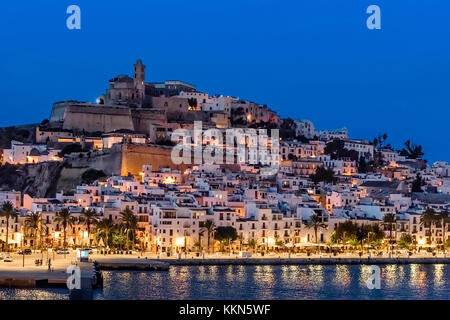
(311, 60)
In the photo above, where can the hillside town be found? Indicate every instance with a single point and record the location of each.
(117, 188)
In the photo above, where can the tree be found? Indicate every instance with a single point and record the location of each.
(323, 175)
(65, 218)
(287, 129)
(225, 235)
(209, 227)
(447, 243)
(379, 141)
(89, 219)
(336, 150)
(390, 220)
(369, 233)
(426, 220)
(417, 184)
(412, 151)
(362, 165)
(104, 229)
(445, 220)
(315, 222)
(90, 175)
(279, 243)
(374, 234)
(345, 231)
(252, 243)
(130, 222)
(7, 211)
(405, 241)
(351, 233)
(33, 224)
(119, 235)
(199, 241)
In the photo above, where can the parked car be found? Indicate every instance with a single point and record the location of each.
(26, 251)
(62, 251)
(7, 258)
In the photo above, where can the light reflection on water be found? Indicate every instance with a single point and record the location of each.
(33, 294)
(342, 276)
(264, 282)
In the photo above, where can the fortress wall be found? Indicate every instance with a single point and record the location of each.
(143, 119)
(93, 119)
(58, 110)
(135, 156)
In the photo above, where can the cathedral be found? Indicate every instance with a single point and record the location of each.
(136, 93)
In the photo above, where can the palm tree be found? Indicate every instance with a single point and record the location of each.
(426, 220)
(104, 228)
(119, 235)
(316, 222)
(252, 243)
(88, 218)
(200, 235)
(64, 217)
(130, 222)
(390, 219)
(412, 151)
(7, 211)
(445, 219)
(209, 227)
(34, 223)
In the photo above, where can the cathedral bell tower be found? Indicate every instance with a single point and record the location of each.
(139, 80)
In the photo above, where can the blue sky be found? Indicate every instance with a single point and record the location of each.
(311, 60)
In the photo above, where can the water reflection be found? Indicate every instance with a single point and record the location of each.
(417, 276)
(264, 282)
(342, 276)
(264, 278)
(34, 294)
(390, 275)
(439, 275)
(316, 275)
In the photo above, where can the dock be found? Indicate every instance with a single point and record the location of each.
(109, 263)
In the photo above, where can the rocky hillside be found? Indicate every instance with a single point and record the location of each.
(38, 180)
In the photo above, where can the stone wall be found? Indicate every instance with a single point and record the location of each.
(135, 156)
(97, 118)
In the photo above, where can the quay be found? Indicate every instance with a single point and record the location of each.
(108, 263)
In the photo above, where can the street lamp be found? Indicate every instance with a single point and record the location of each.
(185, 244)
(23, 252)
